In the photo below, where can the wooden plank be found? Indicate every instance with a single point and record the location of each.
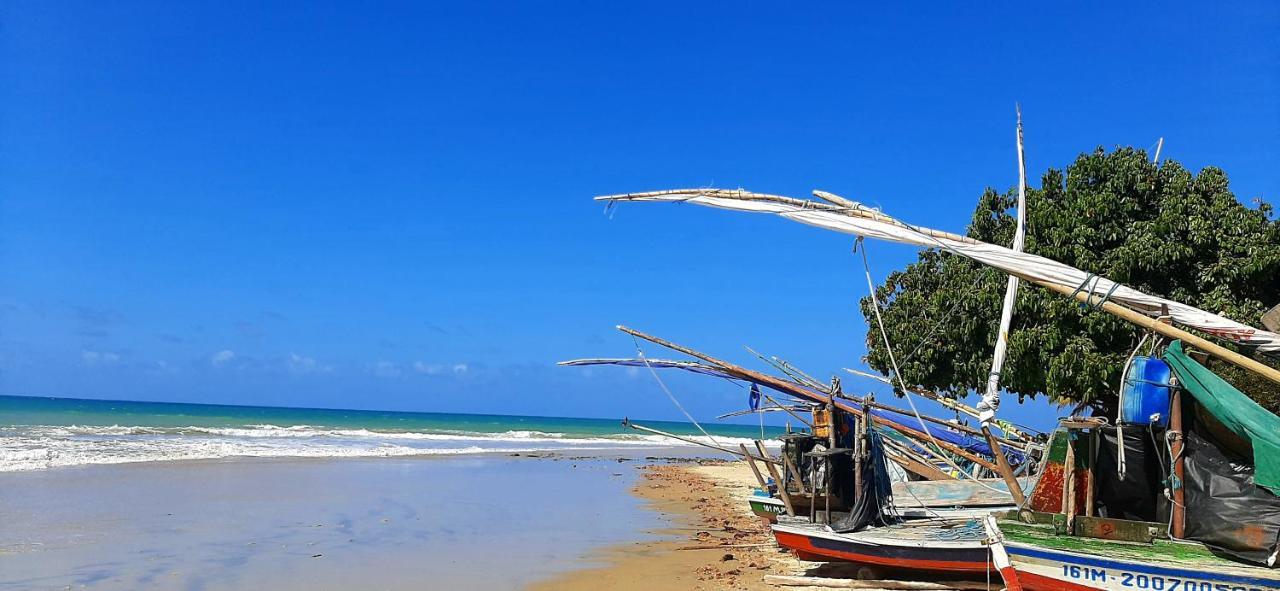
(954, 493)
(1117, 529)
(920, 469)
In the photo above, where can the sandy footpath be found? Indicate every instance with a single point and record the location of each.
(718, 543)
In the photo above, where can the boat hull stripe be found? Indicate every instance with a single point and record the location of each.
(1083, 560)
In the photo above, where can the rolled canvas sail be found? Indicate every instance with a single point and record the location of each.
(863, 221)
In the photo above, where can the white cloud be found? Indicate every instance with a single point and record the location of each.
(300, 364)
(436, 369)
(222, 357)
(430, 369)
(98, 358)
(385, 369)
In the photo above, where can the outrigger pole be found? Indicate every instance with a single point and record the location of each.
(628, 423)
(807, 394)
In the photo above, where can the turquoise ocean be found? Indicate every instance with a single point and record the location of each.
(44, 433)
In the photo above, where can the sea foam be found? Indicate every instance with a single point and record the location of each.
(42, 447)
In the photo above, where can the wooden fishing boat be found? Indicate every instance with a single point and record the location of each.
(1219, 532)
(952, 547)
(1036, 558)
(917, 499)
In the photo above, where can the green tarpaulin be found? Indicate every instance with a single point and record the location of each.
(1241, 415)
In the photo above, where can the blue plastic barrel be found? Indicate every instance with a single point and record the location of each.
(1146, 393)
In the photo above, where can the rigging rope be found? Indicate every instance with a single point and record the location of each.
(640, 352)
(875, 305)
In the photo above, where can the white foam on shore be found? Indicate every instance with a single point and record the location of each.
(44, 447)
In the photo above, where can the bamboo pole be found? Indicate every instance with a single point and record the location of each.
(962, 428)
(797, 417)
(1155, 325)
(1009, 429)
(627, 423)
(800, 392)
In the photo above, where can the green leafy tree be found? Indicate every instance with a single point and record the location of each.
(1159, 229)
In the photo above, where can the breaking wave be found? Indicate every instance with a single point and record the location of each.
(42, 447)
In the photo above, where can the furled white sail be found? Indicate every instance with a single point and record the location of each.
(991, 398)
(863, 221)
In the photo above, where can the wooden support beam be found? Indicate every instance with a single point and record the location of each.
(773, 471)
(754, 470)
(1069, 486)
(1005, 471)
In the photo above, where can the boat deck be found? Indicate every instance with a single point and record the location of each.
(933, 533)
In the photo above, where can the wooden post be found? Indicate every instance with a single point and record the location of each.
(1069, 485)
(1005, 470)
(754, 470)
(1179, 509)
(782, 490)
(1090, 482)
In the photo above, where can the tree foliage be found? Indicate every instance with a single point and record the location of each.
(1159, 229)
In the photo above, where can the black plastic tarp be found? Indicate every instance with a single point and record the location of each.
(1225, 509)
(1139, 495)
(876, 493)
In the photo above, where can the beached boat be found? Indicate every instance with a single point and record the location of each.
(1037, 558)
(1092, 524)
(916, 499)
(937, 546)
(1089, 523)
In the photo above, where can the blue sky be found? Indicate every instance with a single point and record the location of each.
(387, 205)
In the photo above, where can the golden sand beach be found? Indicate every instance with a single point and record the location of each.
(712, 541)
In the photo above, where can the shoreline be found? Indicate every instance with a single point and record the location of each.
(711, 540)
(294, 524)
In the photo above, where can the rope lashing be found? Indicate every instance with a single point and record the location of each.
(1091, 289)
